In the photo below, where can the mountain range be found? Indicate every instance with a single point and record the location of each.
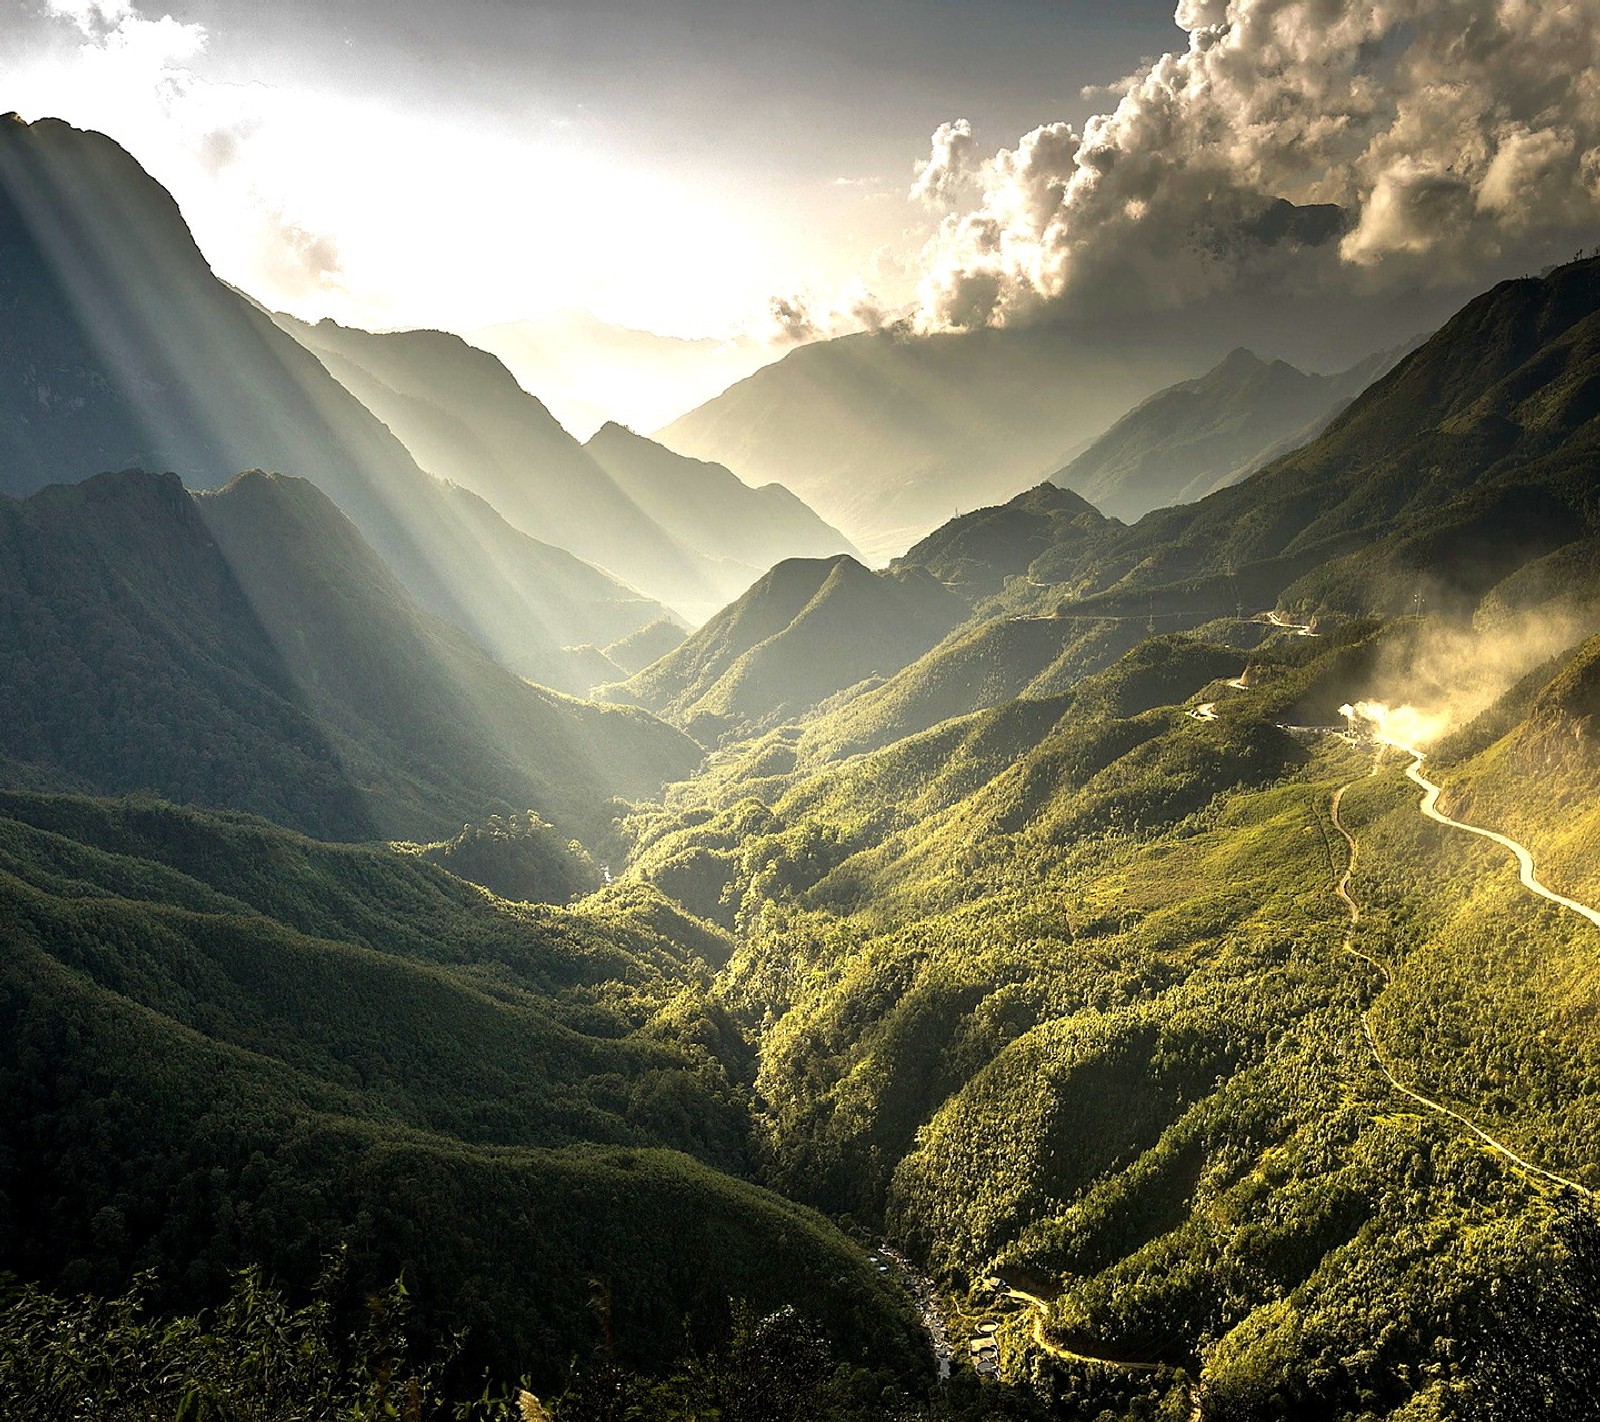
(1201, 435)
(1114, 915)
(630, 507)
(246, 649)
(124, 350)
(887, 434)
(592, 372)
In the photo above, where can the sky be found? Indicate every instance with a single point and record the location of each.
(780, 170)
(669, 165)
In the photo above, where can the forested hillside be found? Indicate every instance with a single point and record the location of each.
(1099, 952)
(1067, 996)
(809, 628)
(225, 1044)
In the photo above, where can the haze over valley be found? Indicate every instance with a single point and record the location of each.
(687, 734)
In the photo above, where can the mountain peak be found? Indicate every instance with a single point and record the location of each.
(1240, 358)
(1049, 497)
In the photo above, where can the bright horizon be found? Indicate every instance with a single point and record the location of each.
(671, 169)
(760, 176)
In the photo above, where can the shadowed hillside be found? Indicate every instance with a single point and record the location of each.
(710, 507)
(463, 416)
(247, 649)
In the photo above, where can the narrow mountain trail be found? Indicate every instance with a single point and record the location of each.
(1353, 909)
(1282, 623)
(1042, 1341)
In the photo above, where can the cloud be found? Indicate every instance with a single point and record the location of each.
(131, 76)
(298, 261)
(792, 321)
(117, 28)
(949, 168)
(796, 318)
(1292, 146)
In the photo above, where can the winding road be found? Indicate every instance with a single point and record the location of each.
(1529, 878)
(1429, 807)
(1278, 620)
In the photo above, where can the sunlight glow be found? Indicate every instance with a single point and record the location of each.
(442, 218)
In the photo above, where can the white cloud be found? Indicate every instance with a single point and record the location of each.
(138, 45)
(1293, 144)
(948, 169)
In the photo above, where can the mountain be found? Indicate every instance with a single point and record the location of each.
(637, 650)
(809, 628)
(690, 534)
(122, 349)
(1464, 465)
(1458, 478)
(1205, 434)
(1064, 906)
(590, 371)
(247, 649)
(706, 505)
(886, 434)
(978, 551)
(463, 416)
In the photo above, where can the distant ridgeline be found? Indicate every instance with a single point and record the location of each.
(986, 902)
